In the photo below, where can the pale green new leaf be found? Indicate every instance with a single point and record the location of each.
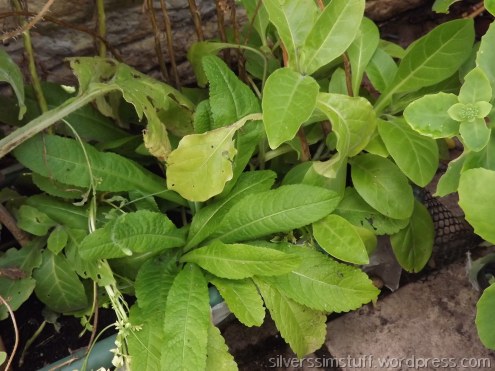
(202, 163)
(57, 284)
(323, 284)
(99, 245)
(187, 317)
(381, 70)
(476, 87)
(11, 73)
(331, 34)
(428, 115)
(340, 239)
(34, 221)
(382, 185)
(476, 198)
(57, 240)
(338, 83)
(279, 210)
(293, 21)
(415, 154)
(485, 309)
(362, 50)
(413, 245)
(353, 121)
(230, 98)
(218, 357)
(195, 55)
(64, 160)
(433, 58)
(304, 329)
(20, 263)
(153, 282)
(206, 220)
(475, 134)
(490, 6)
(144, 343)
(238, 261)
(486, 55)
(145, 231)
(354, 209)
(289, 98)
(242, 298)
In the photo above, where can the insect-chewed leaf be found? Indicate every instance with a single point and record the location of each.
(238, 261)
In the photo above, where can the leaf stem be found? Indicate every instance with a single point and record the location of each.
(16, 332)
(102, 30)
(348, 74)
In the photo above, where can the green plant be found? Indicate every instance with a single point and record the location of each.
(238, 209)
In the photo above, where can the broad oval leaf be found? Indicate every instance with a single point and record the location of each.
(476, 198)
(415, 154)
(362, 50)
(304, 329)
(293, 21)
(238, 261)
(428, 115)
(353, 121)
(433, 58)
(99, 245)
(331, 34)
(242, 298)
(413, 245)
(57, 240)
(475, 134)
(202, 163)
(321, 283)
(382, 185)
(58, 286)
(11, 73)
(289, 98)
(279, 210)
(485, 309)
(340, 239)
(145, 231)
(187, 317)
(201, 49)
(476, 87)
(357, 211)
(381, 70)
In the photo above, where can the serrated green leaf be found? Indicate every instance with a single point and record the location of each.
(230, 98)
(34, 221)
(57, 240)
(353, 121)
(476, 87)
(58, 286)
(238, 261)
(486, 55)
(381, 70)
(432, 58)
(206, 220)
(218, 356)
(144, 344)
(289, 98)
(99, 245)
(242, 298)
(362, 50)
(304, 329)
(415, 154)
(382, 185)
(203, 120)
(357, 211)
(57, 189)
(63, 159)
(340, 239)
(145, 231)
(187, 317)
(202, 163)
(279, 210)
(11, 73)
(293, 21)
(20, 263)
(321, 283)
(331, 34)
(428, 115)
(476, 199)
(484, 317)
(475, 134)
(195, 55)
(153, 282)
(413, 245)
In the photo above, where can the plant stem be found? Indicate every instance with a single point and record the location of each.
(158, 47)
(28, 47)
(170, 43)
(221, 30)
(30, 341)
(102, 30)
(49, 118)
(16, 332)
(305, 154)
(196, 19)
(348, 74)
(9, 222)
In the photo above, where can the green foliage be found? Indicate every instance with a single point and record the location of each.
(484, 317)
(11, 73)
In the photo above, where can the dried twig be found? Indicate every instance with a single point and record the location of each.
(221, 28)
(170, 43)
(16, 331)
(196, 16)
(9, 222)
(158, 46)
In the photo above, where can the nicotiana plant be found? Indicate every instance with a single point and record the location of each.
(273, 192)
